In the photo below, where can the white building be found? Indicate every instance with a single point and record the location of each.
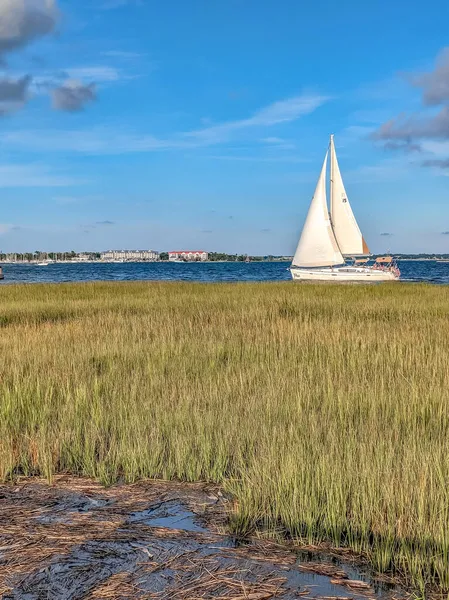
(130, 255)
(189, 255)
(81, 258)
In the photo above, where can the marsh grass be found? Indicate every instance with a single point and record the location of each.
(323, 409)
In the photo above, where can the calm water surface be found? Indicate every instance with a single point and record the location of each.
(427, 271)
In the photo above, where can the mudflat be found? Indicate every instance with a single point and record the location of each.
(151, 540)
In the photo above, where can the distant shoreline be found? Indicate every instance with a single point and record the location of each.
(209, 262)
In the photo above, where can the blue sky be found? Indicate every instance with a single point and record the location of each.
(203, 123)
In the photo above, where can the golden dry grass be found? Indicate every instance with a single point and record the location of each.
(323, 409)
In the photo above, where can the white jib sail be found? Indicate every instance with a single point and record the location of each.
(349, 237)
(317, 246)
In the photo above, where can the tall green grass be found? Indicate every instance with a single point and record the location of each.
(324, 409)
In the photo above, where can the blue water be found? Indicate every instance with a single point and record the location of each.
(428, 271)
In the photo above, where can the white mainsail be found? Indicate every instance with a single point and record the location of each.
(349, 237)
(318, 246)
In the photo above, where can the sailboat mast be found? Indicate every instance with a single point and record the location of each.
(347, 232)
(332, 153)
(331, 144)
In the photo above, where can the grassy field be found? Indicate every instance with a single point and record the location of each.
(325, 410)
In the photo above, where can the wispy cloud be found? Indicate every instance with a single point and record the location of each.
(111, 4)
(283, 111)
(66, 200)
(410, 133)
(97, 141)
(97, 74)
(105, 223)
(272, 140)
(437, 148)
(278, 143)
(122, 54)
(372, 116)
(47, 80)
(386, 170)
(71, 89)
(385, 234)
(103, 141)
(33, 175)
(265, 159)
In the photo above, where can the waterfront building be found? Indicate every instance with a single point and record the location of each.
(130, 255)
(83, 257)
(188, 255)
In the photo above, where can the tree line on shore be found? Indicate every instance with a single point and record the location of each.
(163, 256)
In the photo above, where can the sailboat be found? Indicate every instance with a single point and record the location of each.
(328, 240)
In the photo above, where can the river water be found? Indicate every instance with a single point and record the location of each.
(424, 271)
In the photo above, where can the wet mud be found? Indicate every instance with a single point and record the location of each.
(153, 540)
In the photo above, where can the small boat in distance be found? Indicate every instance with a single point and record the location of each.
(42, 264)
(329, 239)
(1, 274)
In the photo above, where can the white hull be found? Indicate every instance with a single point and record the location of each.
(340, 274)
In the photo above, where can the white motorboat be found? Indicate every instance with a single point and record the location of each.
(328, 240)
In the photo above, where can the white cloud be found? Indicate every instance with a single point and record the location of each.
(104, 141)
